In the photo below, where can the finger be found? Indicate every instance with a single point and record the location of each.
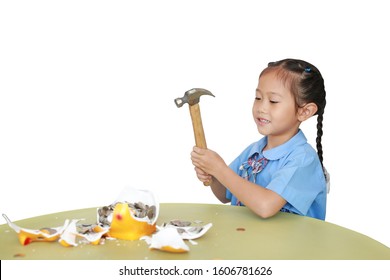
(195, 161)
(200, 171)
(194, 154)
(204, 178)
(198, 150)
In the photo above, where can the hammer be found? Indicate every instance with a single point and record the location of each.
(192, 97)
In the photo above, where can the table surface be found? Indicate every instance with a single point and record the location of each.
(236, 234)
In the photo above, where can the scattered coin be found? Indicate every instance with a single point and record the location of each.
(85, 228)
(179, 223)
(185, 230)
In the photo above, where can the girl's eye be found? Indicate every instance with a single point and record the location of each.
(257, 98)
(273, 102)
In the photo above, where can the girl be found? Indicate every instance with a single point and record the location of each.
(280, 172)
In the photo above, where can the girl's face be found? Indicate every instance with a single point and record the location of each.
(274, 110)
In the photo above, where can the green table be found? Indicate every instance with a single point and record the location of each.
(237, 233)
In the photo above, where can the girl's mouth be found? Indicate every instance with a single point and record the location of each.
(262, 121)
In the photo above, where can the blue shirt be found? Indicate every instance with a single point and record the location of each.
(293, 171)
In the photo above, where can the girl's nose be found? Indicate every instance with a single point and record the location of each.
(260, 107)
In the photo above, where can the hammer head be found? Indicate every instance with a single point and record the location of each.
(192, 96)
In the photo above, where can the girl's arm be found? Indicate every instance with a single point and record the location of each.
(219, 190)
(261, 201)
(265, 203)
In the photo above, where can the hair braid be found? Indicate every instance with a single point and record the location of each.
(320, 118)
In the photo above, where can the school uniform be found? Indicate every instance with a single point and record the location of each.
(292, 170)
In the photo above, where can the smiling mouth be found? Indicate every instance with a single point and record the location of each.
(262, 121)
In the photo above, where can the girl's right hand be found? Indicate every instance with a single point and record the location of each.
(202, 176)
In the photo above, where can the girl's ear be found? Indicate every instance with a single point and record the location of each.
(307, 111)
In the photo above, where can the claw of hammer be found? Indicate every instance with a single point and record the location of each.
(192, 97)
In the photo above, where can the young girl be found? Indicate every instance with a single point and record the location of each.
(280, 172)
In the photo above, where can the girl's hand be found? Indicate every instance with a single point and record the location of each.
(208, 161)
(209, 167)
(202, 176)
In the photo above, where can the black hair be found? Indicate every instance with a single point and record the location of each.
(307, 86)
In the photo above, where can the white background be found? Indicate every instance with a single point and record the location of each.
(87, 90)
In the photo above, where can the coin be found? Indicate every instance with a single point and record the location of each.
(138, 209)
(180, 223)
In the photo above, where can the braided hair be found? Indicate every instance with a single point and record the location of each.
(307, 85)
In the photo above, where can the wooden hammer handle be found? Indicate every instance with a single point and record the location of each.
(200, 139)
(197, 125)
